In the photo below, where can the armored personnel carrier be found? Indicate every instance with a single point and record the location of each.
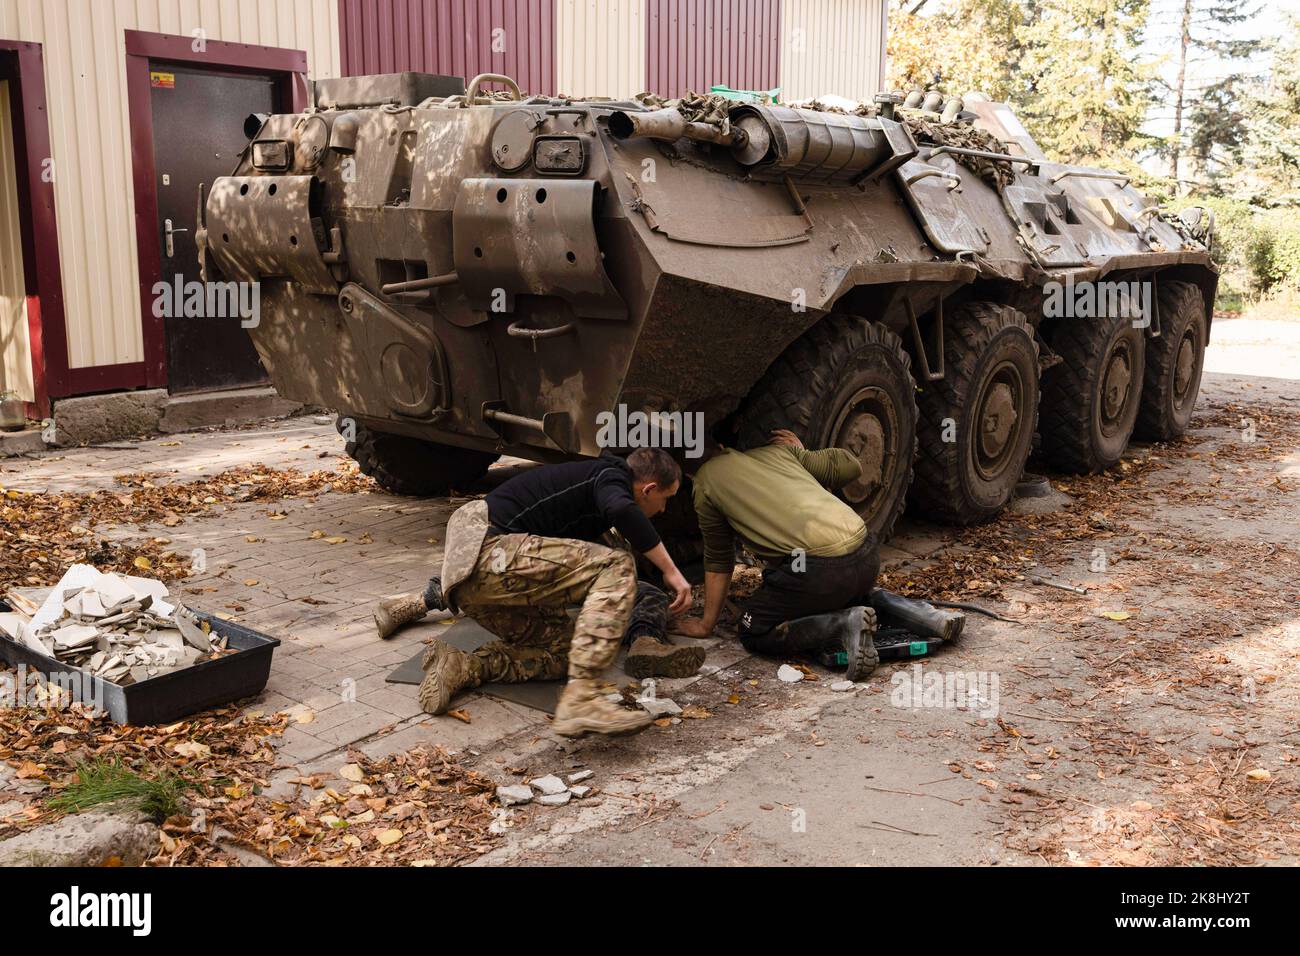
(464, 275)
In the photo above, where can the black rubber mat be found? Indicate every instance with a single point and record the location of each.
(468, 636)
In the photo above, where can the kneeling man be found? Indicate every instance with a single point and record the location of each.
(822, 563)
(517, 560)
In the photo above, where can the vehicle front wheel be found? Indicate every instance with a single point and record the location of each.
(412, 467)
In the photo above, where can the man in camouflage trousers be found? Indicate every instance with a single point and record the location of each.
(518, 560)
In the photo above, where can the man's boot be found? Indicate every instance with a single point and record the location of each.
(846, 634)
(447, 671)
(652, 657)
(396, 612)
(583, 709)
(919, 617)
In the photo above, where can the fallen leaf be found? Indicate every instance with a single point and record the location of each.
(351, 771)
(388, 837)
(1115, 615)
(1259, 775)
(462, 715)
(193, 750)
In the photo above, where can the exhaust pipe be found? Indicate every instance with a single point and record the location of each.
(670, 125)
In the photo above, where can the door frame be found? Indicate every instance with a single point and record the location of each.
(290, 68)
(38, 227)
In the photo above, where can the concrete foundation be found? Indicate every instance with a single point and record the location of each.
(99, 419)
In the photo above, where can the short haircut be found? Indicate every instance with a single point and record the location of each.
(654, 464)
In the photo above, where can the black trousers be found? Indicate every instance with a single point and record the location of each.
(801, 587)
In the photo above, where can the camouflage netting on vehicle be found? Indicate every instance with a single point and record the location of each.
(714, 109)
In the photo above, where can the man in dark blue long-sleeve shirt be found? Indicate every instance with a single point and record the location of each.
(515, 562)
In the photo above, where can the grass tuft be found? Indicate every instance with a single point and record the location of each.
(101, 781)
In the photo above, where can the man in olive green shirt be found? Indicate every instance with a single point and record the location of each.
(822, 563)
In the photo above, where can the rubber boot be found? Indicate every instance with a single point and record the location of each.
(394, 613)
(447, 671)
(848, 632)
(920, 618)
(583, 709)
(651, 657)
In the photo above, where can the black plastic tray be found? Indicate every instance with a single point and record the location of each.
(169, 697)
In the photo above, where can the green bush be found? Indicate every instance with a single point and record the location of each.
(1261, 243)
(1273, 255)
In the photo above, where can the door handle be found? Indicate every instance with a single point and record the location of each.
(168, 231)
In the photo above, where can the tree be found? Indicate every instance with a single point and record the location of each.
(1271, 152)
(1206, 28)
(1087, 90)
(959, 46)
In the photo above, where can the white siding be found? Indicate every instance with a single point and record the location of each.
(832, 46)
(15, 351)
(600, 47)
(85, 85)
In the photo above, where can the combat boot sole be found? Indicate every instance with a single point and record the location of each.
(651, 658)
(861, 648)
(447, 671)
(578, 726)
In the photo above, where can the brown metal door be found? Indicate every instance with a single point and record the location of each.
(198, 133)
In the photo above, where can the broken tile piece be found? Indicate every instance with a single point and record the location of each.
(581, 775)
(550, 785)
(789, 674)
(555, 799)
(511, 796)
(658, 707)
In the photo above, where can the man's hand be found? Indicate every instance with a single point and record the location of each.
(783, 436)
(681, 588)
(690, 627)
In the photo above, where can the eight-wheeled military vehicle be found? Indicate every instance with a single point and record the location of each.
(464, 275)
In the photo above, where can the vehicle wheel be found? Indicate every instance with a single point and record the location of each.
(847, 383)
(1173, 364)
(977, 423)
(411, 466)
(1090, 400)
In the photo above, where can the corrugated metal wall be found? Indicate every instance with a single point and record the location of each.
(85, 76)
(455, 37)
(15, 350)
(832, 46)
(695, 44)
(600, 47)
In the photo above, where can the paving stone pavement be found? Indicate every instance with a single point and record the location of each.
(262, 568)
(316, 597)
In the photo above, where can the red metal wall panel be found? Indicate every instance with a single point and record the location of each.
(452, 37)
(695, 44)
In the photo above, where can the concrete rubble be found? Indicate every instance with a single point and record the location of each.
(116, 627)
(514, 795)
(790, 675)
(550, 785)
(841, 686)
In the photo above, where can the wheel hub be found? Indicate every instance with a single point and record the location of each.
(997, 420)
(996, 428)
(1116, 385)
(867, 427)
(1183, 367)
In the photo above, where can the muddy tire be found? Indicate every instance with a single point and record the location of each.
(1174, 363)
(846, 382)
(1090, 400)
(986, 406)
(412, 467)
